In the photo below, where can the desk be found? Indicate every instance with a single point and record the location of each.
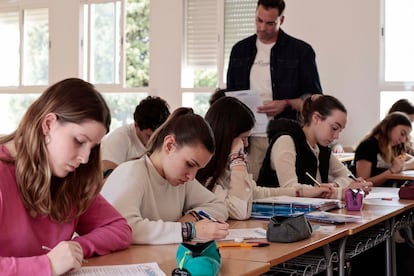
(278, 253)
(258, 260)
(373, 215)
(404, 175)
(164, 255)
(345, 157)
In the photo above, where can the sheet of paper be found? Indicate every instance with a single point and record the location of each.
(383, 192)
(252, 100)
(146, 269)
(245, 233)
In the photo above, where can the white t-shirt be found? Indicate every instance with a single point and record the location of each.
(260, 80)
(122, 145)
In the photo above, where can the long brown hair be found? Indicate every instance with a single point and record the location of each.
(62, 199)
(382, 133)
(228, 117)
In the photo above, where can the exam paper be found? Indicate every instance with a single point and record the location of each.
(145, 269)
(252, 100)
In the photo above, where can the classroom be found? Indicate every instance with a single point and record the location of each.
(183, 53)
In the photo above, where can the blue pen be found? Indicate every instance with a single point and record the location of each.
(207, 216)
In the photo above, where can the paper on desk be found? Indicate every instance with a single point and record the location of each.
(245, 233)
(382, 193)
(146, 269)
(253, 101)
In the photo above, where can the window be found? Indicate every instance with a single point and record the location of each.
(36, 47)
(206, 54)
(27, 65)
(116, 51)
(24, 55)
(109, 60)
(200, 57)
(9, 49)
(398, 53)
(399, 43)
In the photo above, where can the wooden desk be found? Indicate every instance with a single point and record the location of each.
(404, 175)
(164, 255)
(278, 253)
(258, 260)
(345, 156)
(372, 215)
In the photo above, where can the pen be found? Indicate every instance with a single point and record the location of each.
(207, 216)
(44, 247)
(353, 177)
(313, 179)
(243, 244)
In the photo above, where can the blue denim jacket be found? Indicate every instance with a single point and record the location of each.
(292, 68)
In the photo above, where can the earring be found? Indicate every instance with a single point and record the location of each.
(47, 139)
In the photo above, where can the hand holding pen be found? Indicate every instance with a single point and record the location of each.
(65, 256)
(360, 183)
(210, 228)
(205, 215)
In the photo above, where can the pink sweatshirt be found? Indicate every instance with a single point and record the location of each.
(101, 229)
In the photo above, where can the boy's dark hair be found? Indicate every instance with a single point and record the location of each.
(402, 105)
(218, 93)
(151, 112)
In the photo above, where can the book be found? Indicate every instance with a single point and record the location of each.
(290, 206)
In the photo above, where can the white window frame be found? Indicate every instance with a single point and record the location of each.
(20, 7)
(390, 91)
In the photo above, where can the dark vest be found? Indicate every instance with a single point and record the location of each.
(305, 158)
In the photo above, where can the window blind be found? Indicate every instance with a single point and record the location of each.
(201, 33)
(239, 22)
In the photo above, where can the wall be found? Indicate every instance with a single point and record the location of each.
(346, 38)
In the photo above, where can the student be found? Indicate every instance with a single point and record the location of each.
(375, 158)
(403, 105)
(218, 93)
(159, 195)
(130, 141)
(227, 174)
(280, 68)
(297, 150)
(50, 178)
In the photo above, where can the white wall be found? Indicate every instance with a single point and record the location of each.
(346, 38)
(344, 34)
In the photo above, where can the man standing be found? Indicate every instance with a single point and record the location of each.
(279, 67)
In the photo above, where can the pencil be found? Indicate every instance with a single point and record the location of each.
(313, 179)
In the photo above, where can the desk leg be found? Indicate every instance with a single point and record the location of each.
(342, 246)
(328, 254)
(391, 268)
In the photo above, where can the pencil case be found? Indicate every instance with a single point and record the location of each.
(354, 199)
(288, 229)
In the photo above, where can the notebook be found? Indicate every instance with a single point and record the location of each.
(290, 206)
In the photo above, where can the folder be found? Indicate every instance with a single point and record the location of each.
(290, 206)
